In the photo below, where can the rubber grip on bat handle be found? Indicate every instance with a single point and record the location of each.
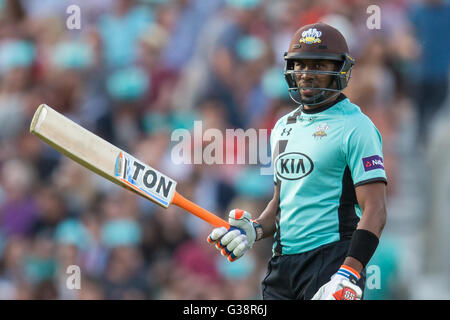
(203, 214)
(198, 211)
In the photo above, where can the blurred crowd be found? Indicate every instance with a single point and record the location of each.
(132, 71)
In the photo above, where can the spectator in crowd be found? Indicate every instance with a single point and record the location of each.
(430, 20)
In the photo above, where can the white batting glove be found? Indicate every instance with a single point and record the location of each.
(235, 242)
(342, 286)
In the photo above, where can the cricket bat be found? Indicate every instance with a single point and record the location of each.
(112, 163)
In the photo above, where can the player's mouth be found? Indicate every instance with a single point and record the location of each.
(307, 92)
(305, 89)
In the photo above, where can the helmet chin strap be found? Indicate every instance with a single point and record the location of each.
(315, 100)
(318, 98)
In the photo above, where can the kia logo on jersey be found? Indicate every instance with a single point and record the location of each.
(293, 166)
(372, 163)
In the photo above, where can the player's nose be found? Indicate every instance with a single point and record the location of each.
(306, 75)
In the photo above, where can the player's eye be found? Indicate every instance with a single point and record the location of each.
(320, 66)
(299, 65)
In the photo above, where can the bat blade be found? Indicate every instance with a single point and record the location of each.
(112, 163)
(100, 156)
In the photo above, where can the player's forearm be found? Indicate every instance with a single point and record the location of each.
(268, 216)
(373, 207)
(373, 220)
(372, 200)
(267, 220)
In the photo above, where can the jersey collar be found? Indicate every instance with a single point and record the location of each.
(325, 106)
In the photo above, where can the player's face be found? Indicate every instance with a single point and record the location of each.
(305, 79)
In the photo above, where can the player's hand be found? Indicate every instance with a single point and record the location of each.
(342, 286)
(233, 243)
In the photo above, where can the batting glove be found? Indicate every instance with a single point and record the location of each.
(342, 286)
(234, 242)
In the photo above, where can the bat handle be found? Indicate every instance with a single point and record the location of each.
(198, 211)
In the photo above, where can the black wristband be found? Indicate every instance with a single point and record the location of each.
(363, 246)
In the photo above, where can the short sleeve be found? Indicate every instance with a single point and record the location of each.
(362, 145)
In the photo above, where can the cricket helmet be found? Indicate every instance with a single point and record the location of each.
(318, 41)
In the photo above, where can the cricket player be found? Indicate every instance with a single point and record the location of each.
(329, 204)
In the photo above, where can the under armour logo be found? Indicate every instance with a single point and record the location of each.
(288, 132)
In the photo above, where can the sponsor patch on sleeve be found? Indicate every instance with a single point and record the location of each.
(372, 163)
